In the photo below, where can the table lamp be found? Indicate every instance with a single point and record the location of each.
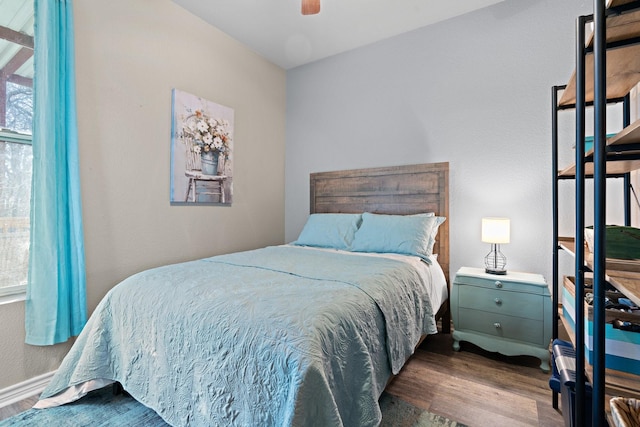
(496, 232)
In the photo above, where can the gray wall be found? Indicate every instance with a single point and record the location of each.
(474, 91)
(129, 55)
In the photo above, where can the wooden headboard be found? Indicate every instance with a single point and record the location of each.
(398, 190)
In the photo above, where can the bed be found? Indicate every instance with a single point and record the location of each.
(300, 334)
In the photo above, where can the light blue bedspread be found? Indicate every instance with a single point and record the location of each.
(277, 336)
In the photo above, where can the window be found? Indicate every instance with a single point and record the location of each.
(15, 195)
(16, 111)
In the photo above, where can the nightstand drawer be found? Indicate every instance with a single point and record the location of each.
(502, 302)
(502, 284)
(502, 326)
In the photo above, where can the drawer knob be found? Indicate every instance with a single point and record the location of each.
(498, 301)
(497, 325)
(498, 284)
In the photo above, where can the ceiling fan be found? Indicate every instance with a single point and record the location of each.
(310, 7)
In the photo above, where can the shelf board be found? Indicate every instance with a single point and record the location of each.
(613, 168)
(628, 135)
(568, 244)
(620, 27)
(623, 274)
(623, 64)
(616, 3)
(629, 286)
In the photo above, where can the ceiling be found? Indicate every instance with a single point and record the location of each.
(16, 39)
(280, 33)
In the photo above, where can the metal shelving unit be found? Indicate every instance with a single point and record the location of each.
(607, 68)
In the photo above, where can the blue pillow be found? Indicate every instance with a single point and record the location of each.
(329, 231)
(408, 235)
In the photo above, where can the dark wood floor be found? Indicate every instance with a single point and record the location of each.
(476, 387)
(471, 386)
(16, 408)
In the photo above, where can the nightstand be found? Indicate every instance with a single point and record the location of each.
(508, 314)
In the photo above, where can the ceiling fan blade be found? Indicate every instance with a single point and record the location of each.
(310, 7)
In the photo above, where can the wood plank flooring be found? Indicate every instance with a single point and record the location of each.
(476, 387)
(16, 408)
(471, 386)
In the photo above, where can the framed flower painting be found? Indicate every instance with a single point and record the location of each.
(201, 151)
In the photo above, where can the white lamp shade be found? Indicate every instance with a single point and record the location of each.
(495, 230)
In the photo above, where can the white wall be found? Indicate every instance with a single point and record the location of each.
(474, 91)
(129, 55)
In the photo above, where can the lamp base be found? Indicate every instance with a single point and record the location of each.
(495, 271)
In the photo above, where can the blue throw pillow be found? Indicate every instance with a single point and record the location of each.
(408, 235)
(329, 231)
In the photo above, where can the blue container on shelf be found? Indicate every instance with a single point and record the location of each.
(563, 380)
(588, 142)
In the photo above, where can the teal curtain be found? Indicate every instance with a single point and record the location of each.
(56, 292)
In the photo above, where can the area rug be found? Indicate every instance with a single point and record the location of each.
(398, 413)
(101, 408)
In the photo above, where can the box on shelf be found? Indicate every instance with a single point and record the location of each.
(621, 242)
(588, 142)
(622, 347)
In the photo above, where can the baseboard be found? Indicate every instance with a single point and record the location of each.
(25, 389)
